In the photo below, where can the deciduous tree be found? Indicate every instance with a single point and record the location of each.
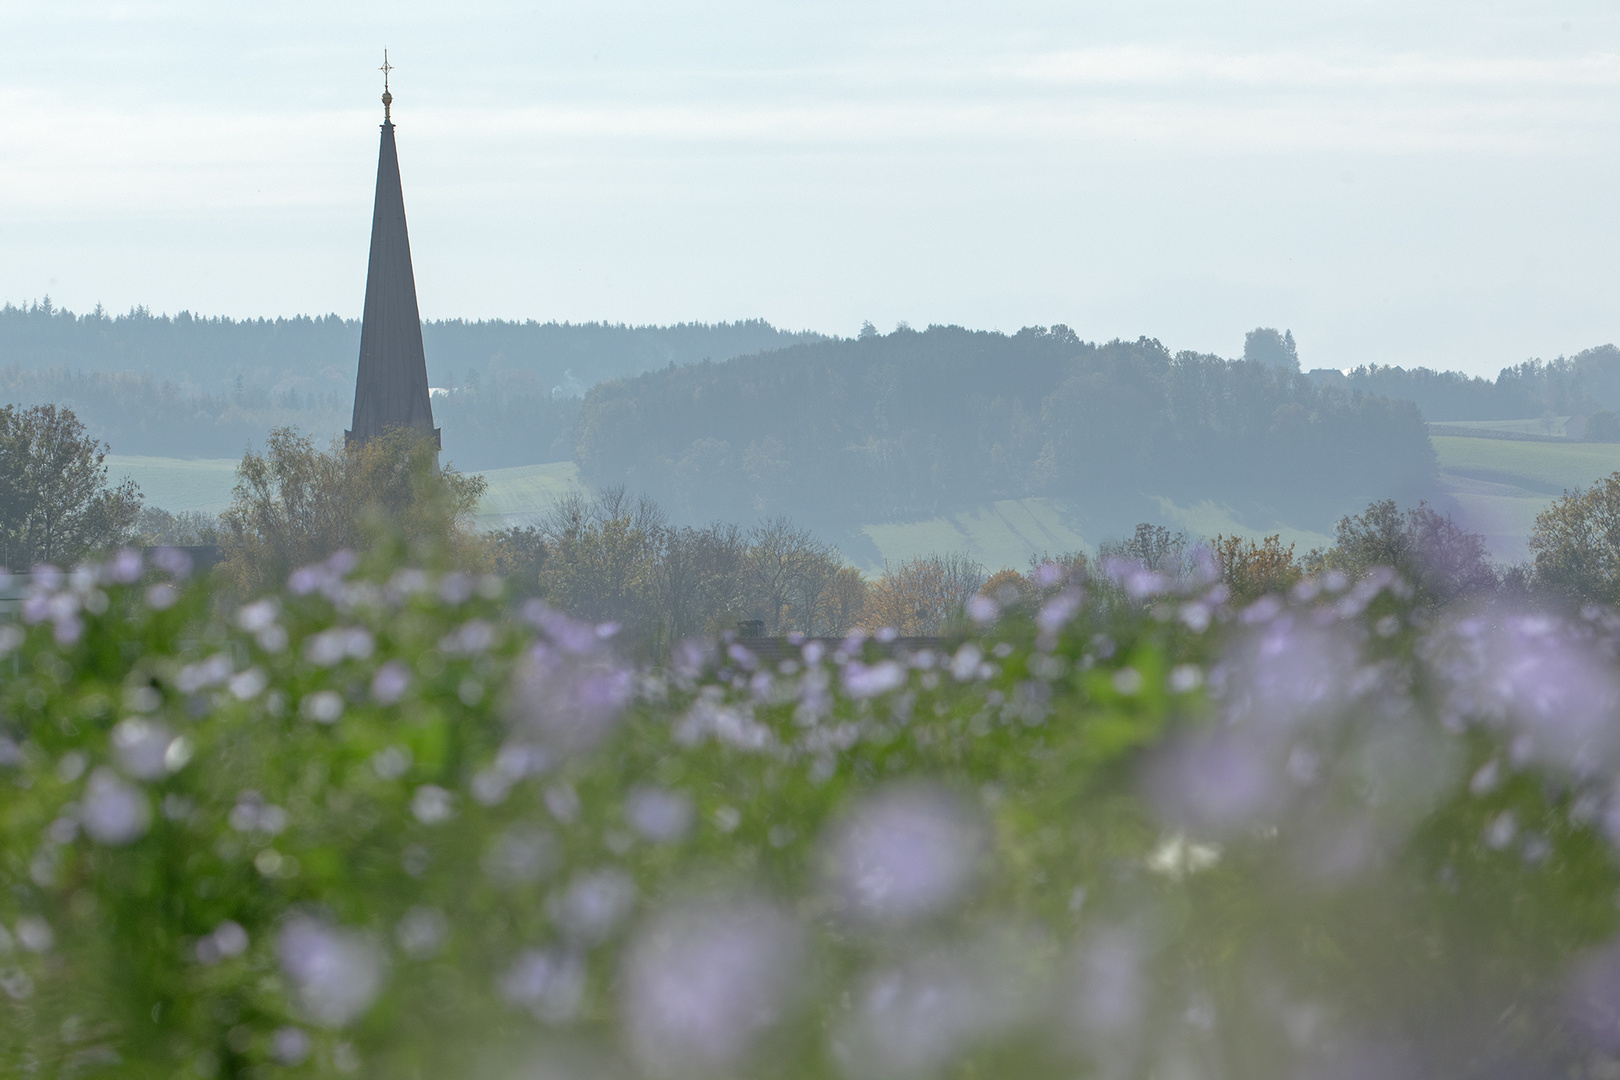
(295, 503)
(56, 504)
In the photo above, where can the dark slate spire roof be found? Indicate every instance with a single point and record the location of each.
(391, 389)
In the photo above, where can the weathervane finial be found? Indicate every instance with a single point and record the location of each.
(387, 98)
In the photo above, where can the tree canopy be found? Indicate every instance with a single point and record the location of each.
(913, 424)
(295, 504)
(56, 505)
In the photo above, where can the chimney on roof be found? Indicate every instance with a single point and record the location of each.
(391, 387)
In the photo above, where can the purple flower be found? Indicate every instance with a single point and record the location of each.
(703, 982)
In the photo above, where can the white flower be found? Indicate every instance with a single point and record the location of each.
(142, 747)
(432, 804)
(323, 706)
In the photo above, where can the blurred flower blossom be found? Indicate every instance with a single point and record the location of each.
(114, 811)
(16, 984)
(914, 1018)
(432, 804)
(568, 699)
(983, 610)
(422, 932)
(290, 1046)
(905, 853)
(35, 934)
(703, 981)
(390, 682)
(865, 681)
(336, 972)
(659, 815)
(595, 903)
(142, 747)
(125, 567)
(227, 941)
(323, 706)
(203, 674)
(391, 762)
(710, 716)
(1105, 1014)
(1538, 674)
(249, 684)
(252, 814)
(549, 983)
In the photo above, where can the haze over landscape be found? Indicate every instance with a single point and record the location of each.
(1397, 184)
(882, 541)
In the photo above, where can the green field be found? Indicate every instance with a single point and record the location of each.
(519, 495)
(515, 495)
(1501, 485)
(1007, 533)
(1498, 484)
(1547, 425)
(177, 484)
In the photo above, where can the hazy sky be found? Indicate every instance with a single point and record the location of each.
(1394, 181)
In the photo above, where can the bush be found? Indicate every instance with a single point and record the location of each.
(1602, 426)
(385, 822)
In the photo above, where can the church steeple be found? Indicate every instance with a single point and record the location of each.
(391, 388)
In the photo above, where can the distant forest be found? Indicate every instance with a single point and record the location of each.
(183, 386)
(508, 418)
(736, 420)
(914, 424)
(317, 355)
(1568, 386)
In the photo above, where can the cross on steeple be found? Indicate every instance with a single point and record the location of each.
(387, 98)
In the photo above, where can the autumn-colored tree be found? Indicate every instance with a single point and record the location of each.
(1576, 543)
(1252, 570)
(519, 554)
(56, 505)
(922, 596)
(702, 579)
(843, 601)
(295, 504)
(785, 573)
(1007, 586)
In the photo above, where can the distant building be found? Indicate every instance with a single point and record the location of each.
(391, 387)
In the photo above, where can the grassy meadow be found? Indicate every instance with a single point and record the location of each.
(1498, 486)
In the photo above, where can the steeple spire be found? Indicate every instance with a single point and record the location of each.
(391, 387)
(388, 98)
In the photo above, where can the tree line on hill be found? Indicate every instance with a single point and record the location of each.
(508, 418)
(914, 424)
(316, 355)
(1578, 385)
